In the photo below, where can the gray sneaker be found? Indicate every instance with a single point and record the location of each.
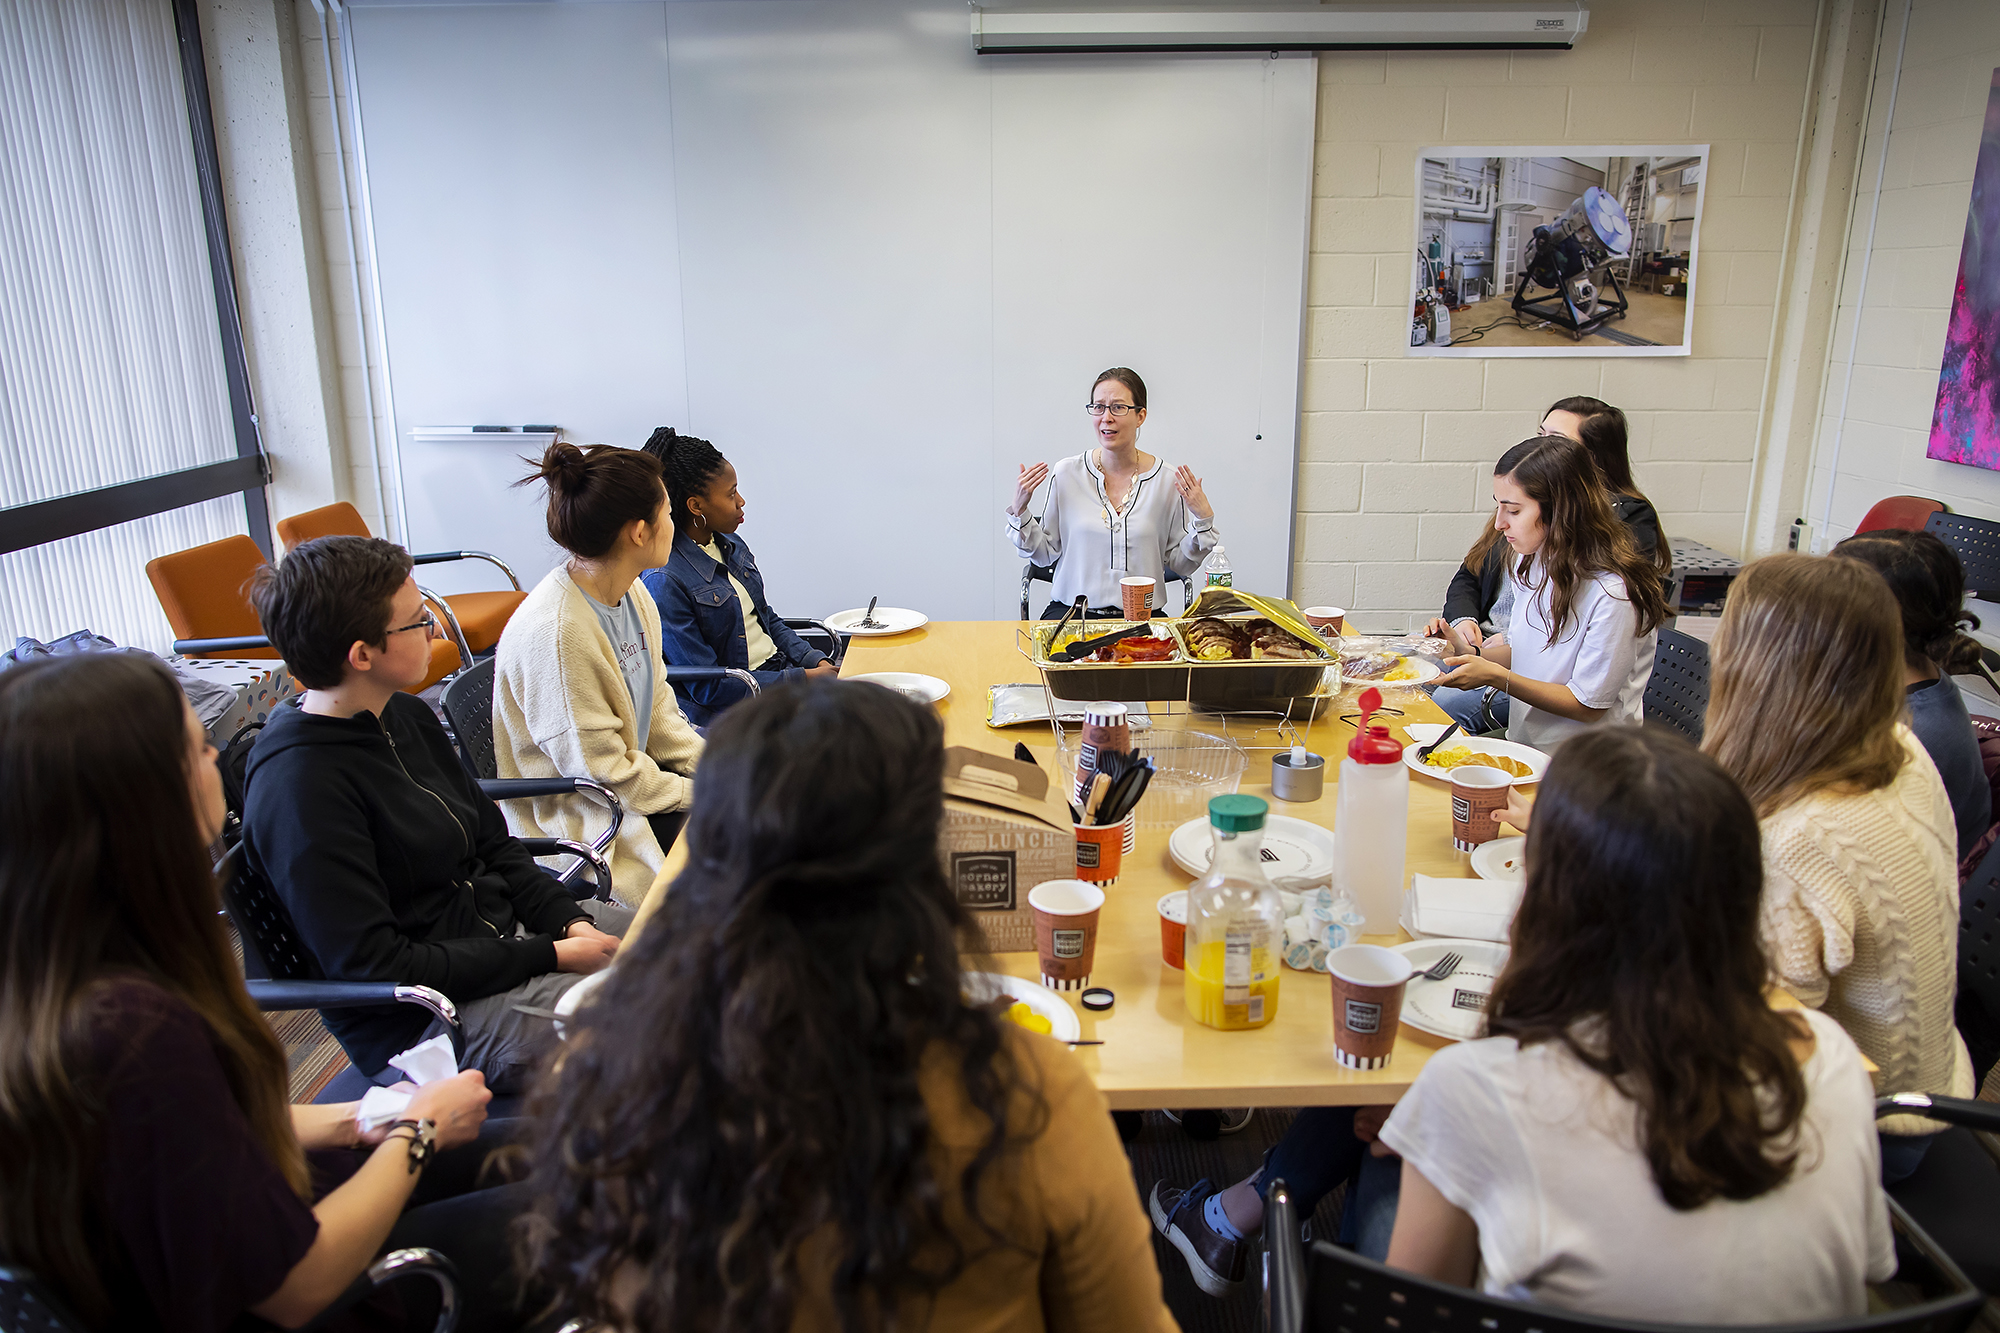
(1214, 1261)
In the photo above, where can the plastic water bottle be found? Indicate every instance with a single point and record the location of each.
(1220, 575)
(1371, 821)
(1235, 924)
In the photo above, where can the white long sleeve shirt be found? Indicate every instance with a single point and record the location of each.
(1093, 543)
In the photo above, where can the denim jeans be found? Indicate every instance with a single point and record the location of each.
(1902, 1154)
(1316, 1155)
(1464, 706)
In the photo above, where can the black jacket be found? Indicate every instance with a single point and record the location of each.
(1471, 596)
(395, 866)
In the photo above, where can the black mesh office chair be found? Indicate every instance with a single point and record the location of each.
(1326, 1288)
(28, 1306)
(1033, 574)
(468, 702)
(1976, 541)
(1677, 691)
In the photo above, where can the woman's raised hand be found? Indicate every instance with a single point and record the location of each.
(1189, 485)
(1031, 478)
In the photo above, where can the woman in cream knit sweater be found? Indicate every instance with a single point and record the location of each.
(1860, 878)
(581, 688)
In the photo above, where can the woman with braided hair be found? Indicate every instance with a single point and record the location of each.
(710, 592)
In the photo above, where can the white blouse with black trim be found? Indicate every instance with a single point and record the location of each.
(1093, 543)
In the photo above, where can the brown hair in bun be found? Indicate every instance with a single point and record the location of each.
(594, 491)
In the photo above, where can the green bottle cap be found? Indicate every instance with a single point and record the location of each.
(1237, 814)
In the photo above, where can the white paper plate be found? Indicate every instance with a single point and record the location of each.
(895, 620)
(1456, 1006)
(1292, 847)
(1063, 1023)
(1423, 733)
(930, 688)
(1501, 859)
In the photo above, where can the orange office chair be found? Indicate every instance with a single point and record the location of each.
(476, 617)
(202, 591)
(1899, 511)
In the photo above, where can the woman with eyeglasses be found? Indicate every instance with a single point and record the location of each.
(1111, 512)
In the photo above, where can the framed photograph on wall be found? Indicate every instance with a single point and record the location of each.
(1561, 251)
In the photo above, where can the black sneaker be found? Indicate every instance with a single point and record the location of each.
(1214, 1261)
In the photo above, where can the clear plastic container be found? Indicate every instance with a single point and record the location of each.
(1235, 925)
(1371, 821)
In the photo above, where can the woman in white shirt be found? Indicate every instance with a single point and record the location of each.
(1587, 605)
(1112, 512)
(1643, 1135)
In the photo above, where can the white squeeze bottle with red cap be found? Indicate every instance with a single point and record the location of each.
(1371, 820)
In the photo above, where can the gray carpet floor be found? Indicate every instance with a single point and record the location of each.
(1163, 1151)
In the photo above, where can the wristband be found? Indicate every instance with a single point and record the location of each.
(423, 1141)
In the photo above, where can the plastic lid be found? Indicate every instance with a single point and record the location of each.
(1372, 743)
(1237, 814)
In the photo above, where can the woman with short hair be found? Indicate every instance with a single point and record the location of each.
(1111, 512)
(580, 688)
(819, 1129)
(1805, 710)
(152, 1172)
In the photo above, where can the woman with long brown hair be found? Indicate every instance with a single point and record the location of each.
(782, 1112)
(1860, 915)
(1640, 1134)
(151, 1168)
(1480, 602)
(1587, 605)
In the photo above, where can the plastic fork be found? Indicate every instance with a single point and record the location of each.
(1442, 968)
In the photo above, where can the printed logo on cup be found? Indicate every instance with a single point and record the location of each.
(1363, 1016)
(983, 881)
(1088, 854)
(1461, 810)
(1067, 943)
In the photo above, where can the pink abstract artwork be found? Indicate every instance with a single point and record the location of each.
(1965, 426)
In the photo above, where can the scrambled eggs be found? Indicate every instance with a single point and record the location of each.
(1026, 1017)
(1462, 755)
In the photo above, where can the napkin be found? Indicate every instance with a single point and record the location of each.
(1464, 909)
(426, 1062)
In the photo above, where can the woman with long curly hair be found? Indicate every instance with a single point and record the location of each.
(151, 1169)
(1587, 604)
(1805, 710)
(1640, 1134)
(781, 1112)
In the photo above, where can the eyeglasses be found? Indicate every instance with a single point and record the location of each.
(428, 623)
(1115, 409)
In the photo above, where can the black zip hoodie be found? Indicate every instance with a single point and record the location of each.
(395, 866)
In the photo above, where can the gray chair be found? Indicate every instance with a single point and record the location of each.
(1677, 691)
(467, 700)
(1325, 1288)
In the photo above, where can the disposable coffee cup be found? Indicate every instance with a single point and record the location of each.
(1173, 928)
(1368, 983)
(1330, 621)
(1137, 593)
(1477, 793)
(1066, 931)
(1100, 851)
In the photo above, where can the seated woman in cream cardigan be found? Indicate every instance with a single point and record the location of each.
(1860, 907)
(581, 689)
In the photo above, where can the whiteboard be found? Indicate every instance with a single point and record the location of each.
(898, 268)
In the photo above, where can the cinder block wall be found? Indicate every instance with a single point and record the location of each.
(1396, 452)
(1947, 64)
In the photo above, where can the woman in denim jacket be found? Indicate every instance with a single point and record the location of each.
(710, 592)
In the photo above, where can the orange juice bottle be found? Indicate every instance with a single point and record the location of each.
(1235, 924)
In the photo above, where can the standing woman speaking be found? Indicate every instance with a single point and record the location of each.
(1111, 512)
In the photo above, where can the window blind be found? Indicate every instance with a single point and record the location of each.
(112, 365)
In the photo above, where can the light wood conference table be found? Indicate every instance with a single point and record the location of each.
(1153, 1054)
